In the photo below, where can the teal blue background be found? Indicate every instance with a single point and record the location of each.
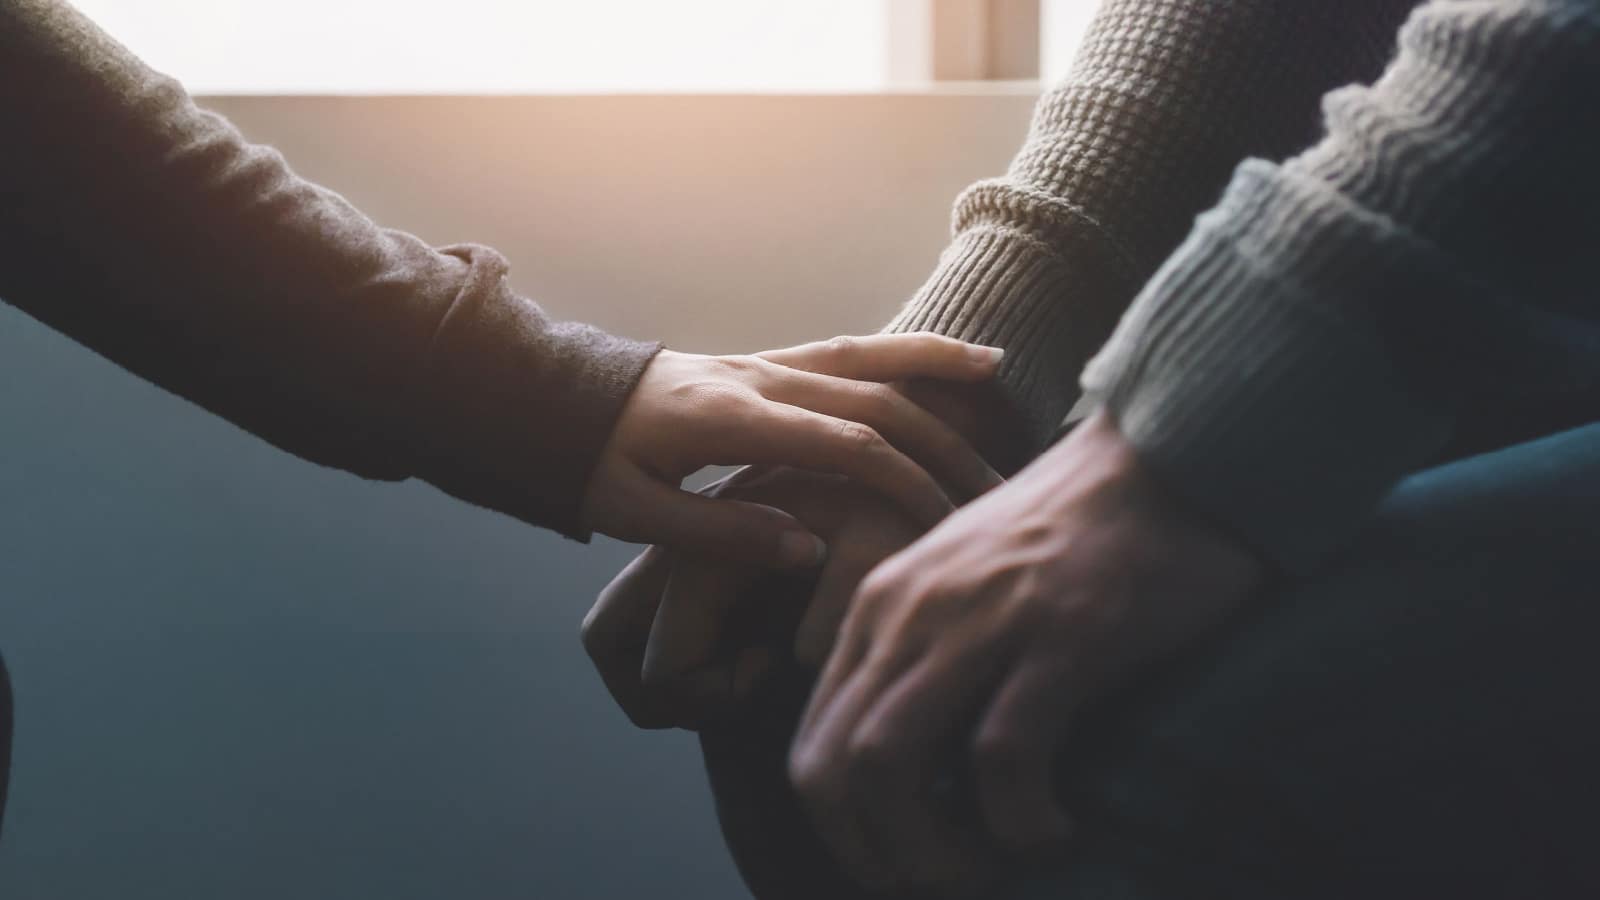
(240, 675)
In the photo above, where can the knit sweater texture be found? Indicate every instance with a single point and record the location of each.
(153, 232)
(1363, 294)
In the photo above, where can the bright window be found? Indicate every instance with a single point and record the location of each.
(1061, 26)
(497, 46)
(531, 46)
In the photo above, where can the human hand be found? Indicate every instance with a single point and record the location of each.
(683, 641)
(817, 406)
(1013, 614)
(725, 627)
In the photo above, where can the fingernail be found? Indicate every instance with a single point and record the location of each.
(989, 356)
(801, 550)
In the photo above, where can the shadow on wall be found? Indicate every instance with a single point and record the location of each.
(241, 675)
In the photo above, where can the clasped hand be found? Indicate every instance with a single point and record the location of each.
(967, 652)
(822, 407)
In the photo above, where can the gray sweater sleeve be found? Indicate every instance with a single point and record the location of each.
(151, 231)
(1325, 328)
(1163, 100)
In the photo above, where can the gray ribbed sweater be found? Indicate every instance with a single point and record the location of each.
(1336, 319)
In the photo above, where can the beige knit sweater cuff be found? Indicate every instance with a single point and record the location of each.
(1002, 286)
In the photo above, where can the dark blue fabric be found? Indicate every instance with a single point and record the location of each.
(1415, 722)
(1418, 721)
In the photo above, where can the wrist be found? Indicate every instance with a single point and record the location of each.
(1097, 452)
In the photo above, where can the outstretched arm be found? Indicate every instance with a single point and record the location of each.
(152, 231)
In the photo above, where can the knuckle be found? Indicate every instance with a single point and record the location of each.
(599, 640)
(881, 585)
(740, 364)
(648, 718)
(859, 438)
(744, 373)
(872, 594)
(878, 399)
(871, 749)
(810, 773)
(928, 343)
(841, 345)
(593, 646)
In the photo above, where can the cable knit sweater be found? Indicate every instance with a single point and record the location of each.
(1336, 320)
(151, 231)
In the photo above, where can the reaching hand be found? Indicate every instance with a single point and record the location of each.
(724, 625)
(681, 641)
(1012, 614)
(819, 407)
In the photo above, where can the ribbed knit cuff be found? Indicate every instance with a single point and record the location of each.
(1003, 287)
(1249, 377)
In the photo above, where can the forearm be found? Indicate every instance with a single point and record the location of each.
(1322, 331)
(151, 231)
(1164, 98)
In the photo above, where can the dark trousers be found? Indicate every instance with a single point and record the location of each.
(1417, 722)
(1421, 721)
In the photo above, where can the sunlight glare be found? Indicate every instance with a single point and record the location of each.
(499, 46)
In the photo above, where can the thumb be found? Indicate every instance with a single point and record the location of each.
(691, 621)
(733, 531)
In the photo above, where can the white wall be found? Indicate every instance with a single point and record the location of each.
(716, 223)
(503, 46)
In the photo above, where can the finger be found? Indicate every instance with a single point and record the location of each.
(690, 622)
(704, 696)
(823, 781)
(920, 434)
(788, 435)
(616, 631)
(850, 650)
(892, 357)
(731, 530)
(627, 604)
(1015, 746)
(871, 601)
(847, 566)
(844, 688)
(902, 742)
(695, 699)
